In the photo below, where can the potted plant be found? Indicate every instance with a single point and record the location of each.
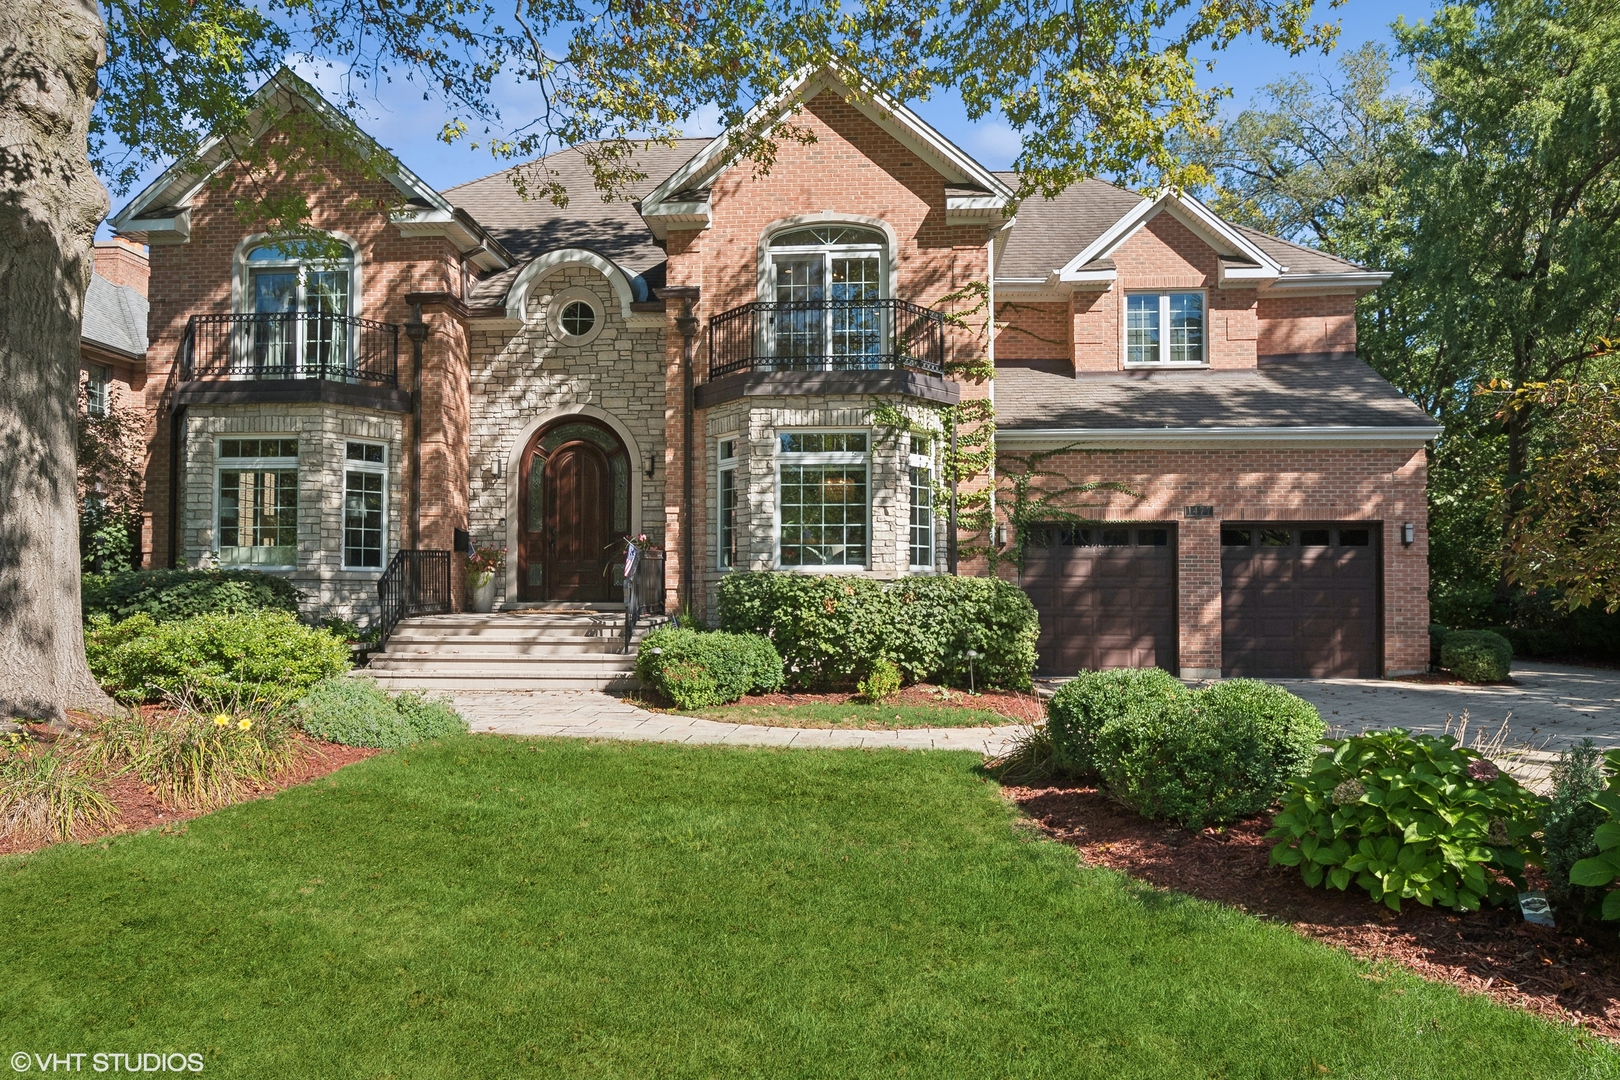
(483, 563)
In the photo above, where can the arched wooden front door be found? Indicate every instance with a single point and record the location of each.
(575, 491)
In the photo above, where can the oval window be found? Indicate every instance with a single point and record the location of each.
(578, 318)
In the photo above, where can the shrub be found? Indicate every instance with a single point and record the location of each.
(171, 595)
(829, 630)
(356, 712)
(1569, 828)
(1028, 758)
(881, 683)
(1214, 755)
(1476, 655)
(265, 658)
(1081, 708)
(1437, 638)
(1600, 871)
(46, 795)
(697, 669)
(1408, 818)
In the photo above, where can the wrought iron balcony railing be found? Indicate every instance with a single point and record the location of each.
(827, 335)
(290, 345)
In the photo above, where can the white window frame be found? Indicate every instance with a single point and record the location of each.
(97, 389)
(725, 466)
(828, 253)
(224, 464)
(863, 459)
(243, 299)
(926, 462)
(375, 469)
(1164, 296)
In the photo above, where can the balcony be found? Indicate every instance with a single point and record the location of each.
(827, 347)
(291, 356)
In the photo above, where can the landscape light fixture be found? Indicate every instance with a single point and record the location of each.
(972, 656)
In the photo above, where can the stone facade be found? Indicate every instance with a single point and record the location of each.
(526, 378)
(322, 432)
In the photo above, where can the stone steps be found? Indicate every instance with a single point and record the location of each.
(549, 650)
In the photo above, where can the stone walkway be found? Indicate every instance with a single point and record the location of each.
(592, 715)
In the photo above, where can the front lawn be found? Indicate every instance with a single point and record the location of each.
(486, 907)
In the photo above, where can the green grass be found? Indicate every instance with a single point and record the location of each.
(490, 908)
(853, 714)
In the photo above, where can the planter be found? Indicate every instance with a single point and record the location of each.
(483, 593)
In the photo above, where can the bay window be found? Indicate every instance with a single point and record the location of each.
(257, 502)
(823, 502)
(365, 487)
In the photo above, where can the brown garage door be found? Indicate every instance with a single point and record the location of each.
(1299, 600)
(1106, 596)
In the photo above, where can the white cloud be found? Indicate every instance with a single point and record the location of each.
(994, 143)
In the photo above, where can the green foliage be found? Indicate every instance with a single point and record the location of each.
(355, 712)
(1599, 871)
(697, 669)
(48, 795)
(881, 683)
(829, 629)
(1569, 827)
(1093, 700)
(1437, 637)
(1479, 656)
(267, 657)
(1408, 818)
(1193, 757)
(171, 595)
(198, 761)
(1030, 758)
(109, 541)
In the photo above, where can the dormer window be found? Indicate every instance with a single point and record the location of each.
(1164, 328)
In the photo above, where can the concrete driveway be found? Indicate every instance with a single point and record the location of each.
(1550, 707)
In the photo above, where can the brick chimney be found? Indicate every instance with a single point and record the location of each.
(123, 262)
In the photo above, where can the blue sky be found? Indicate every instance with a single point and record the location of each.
(409, 125)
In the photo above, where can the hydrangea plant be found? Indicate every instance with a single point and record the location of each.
(1408, 818)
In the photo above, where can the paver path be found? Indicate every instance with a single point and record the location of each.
(1552, 706)
(593, 715)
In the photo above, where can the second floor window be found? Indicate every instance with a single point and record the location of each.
(98, 378)
(831, 276)
(308, 284)
(1164, 328)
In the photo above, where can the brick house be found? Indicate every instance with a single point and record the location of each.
(715, 363)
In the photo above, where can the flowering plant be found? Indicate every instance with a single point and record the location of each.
(483, 563)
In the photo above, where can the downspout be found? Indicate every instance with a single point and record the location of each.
(416, 330)
(687, 324)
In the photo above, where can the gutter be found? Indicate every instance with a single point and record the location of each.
(1404, 434)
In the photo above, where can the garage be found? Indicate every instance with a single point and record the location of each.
(1106, 596)
(1300, 600)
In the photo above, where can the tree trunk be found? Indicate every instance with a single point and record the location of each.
(50, 203)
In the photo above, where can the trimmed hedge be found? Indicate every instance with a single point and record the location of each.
(1194, 757)
(219, 660)
(355, 712)
(172, 595)
(1478, 656)
(697, 669)
(830, 630)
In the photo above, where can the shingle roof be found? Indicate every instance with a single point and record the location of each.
(532, 226)
(1297, 257)
(1050, 232)
(1299, 392)
(114, 317)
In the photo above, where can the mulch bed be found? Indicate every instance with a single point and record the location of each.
(1557, 973)
(139, 809)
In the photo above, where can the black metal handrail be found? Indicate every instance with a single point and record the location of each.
(643, 592)
(290, 345)
(415, 583)
(827, 335)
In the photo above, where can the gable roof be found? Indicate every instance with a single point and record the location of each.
(973, 193)
(161, 212)
(115, 318)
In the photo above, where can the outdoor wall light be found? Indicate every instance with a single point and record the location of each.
(1408, 534)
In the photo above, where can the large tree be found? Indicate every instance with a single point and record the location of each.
(1092, 85)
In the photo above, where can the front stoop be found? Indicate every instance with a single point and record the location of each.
(524, 650)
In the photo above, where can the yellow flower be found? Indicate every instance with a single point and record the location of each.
(221, 720)
(244, 723)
